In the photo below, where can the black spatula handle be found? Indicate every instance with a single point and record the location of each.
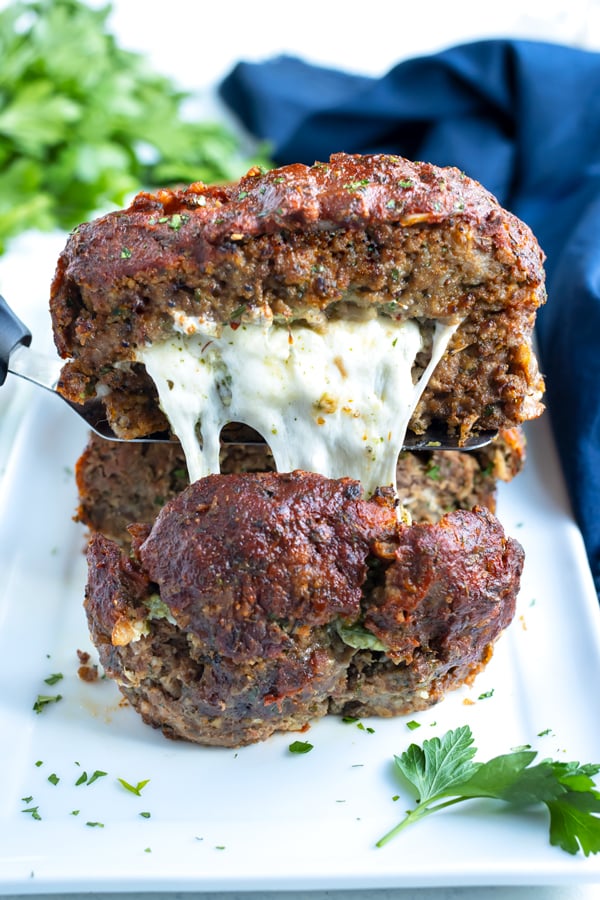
(12, 333)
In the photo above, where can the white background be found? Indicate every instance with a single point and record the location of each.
(198, 42)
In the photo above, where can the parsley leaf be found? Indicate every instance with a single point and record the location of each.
(34, 812)
(95, 776)
(42, 700)
(439, 763)
(442, 773)
(573, 823)
(300, 747)
(134, 788)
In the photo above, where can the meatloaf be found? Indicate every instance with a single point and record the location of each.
(354, 237)
(259, 602)
(124, 482)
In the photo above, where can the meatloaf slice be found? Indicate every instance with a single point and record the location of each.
(259, 602)
(124, 482)
(354, 237)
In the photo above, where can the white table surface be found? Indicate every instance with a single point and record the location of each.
(197, 44)
(587, 892)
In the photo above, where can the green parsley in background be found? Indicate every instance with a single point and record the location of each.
(85, 123)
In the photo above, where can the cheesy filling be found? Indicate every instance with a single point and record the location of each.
(335, 401)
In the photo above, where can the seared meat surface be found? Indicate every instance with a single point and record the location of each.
(259, 602)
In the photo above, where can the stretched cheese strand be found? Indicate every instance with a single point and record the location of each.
(337, 402)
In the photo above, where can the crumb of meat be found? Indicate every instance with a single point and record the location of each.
(86, 672)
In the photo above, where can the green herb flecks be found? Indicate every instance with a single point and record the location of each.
(353, 186)
(43, 700)
(433, 472)
(134, 788)
(367, 728)
(442, 773)
(157, 609)
(300, 747)
(34, 812)
(53, 679)
(177, 220)
(239, 312)
(95, 776)
(486, 695)
(358, 637)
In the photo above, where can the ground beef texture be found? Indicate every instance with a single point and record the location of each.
(124, 482)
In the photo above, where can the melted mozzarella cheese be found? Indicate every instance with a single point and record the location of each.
(337, 402)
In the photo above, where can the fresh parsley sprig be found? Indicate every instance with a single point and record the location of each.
(442, 773)
(84, 123)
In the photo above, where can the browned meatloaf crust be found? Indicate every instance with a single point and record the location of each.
(247, 607)
(306, 243)
(121, 483)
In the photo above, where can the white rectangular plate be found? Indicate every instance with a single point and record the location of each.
(262, 818)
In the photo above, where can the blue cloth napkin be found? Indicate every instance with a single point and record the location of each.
(523, 118)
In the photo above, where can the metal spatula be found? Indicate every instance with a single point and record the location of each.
(44, 371)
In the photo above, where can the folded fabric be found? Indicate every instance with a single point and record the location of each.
(523, 118)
